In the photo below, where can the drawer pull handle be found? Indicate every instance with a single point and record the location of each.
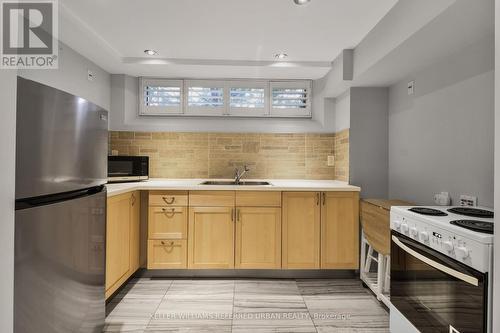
(170, 243)
(168, 212)
(169, 201)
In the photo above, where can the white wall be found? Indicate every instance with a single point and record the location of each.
(72, 77)
(124, 115)
(342, 112)
(7, 196)
(496, 277)
(441, 138)
(368, 141)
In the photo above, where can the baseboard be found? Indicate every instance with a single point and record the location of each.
(248, 273)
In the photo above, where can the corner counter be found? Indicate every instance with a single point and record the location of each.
(194, 185)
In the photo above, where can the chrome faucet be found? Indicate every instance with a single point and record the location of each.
(238, 175)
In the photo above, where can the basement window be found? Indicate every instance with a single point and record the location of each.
(248, 98)
(205, 97)
(290, 99)
(160, 97)
(225, 98)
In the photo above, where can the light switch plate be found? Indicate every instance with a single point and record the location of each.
(411, 87)
(331, 160)
(90, 75)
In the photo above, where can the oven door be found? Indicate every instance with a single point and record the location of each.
(436, 293)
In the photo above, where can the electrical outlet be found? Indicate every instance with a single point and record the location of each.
(411, 87)
(468, 200)
(90, 75)
(331, 160)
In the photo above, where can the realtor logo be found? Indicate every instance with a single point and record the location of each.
(29, 34)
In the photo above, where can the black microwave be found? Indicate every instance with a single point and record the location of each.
(127, 168)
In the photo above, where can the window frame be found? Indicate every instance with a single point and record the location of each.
(184, 110)
(145, 110)
(291, 112)
(205, 110)
(248, 112)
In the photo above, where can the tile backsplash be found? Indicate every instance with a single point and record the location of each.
(341, 153)
(216, 155)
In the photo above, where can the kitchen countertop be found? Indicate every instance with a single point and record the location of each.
(194, 185)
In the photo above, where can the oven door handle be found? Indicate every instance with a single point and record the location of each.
(445, 269)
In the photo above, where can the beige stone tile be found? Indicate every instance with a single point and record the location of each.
(216, 155)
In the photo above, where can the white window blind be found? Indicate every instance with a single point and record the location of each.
(291, 98)
(160, 97)
(205, 97)
(238, 98)
(248, 98)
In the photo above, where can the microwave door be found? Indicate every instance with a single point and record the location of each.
(434, 292)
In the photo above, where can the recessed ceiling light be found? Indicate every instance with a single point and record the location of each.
(150, 52)
(301, 2)
(281, 55)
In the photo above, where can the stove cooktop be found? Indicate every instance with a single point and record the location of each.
(472, 212)
(427, 211)
(474, 225)
(443, 220)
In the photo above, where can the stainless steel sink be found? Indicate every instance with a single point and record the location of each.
(232, 182)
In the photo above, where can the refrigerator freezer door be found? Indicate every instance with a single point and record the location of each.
(59, 266)
(62, 141)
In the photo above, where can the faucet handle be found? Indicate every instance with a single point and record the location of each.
(247, 168)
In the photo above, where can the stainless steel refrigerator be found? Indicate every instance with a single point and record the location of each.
(61, 169)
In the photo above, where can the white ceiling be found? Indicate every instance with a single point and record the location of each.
(217, 38)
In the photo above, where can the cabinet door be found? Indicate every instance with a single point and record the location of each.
(301, 230)
(117, 241)
(135, 230)
(340, 230)
(167, 223)
(258, 237)
(211, 237)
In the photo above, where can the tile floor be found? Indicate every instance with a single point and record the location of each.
(254, 305)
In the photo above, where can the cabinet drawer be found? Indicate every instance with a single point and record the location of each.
(167, 222)
(168, 198)
(163, 254)
(258, 199)
(211, 199)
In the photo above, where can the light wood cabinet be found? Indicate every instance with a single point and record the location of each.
(167, 229)
(118, 227)
(258, 237)
(164, 254)
(168, 198)
(253, 230)
(135, 230)
(340, 230)
(211, 237)
(211, 199)
(301, 230)
(168, 222)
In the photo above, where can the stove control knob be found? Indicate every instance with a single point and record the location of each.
(396, 224)
(424, 236)
(404, 228)
(448, 246)
(462, 252)
(413, 231)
